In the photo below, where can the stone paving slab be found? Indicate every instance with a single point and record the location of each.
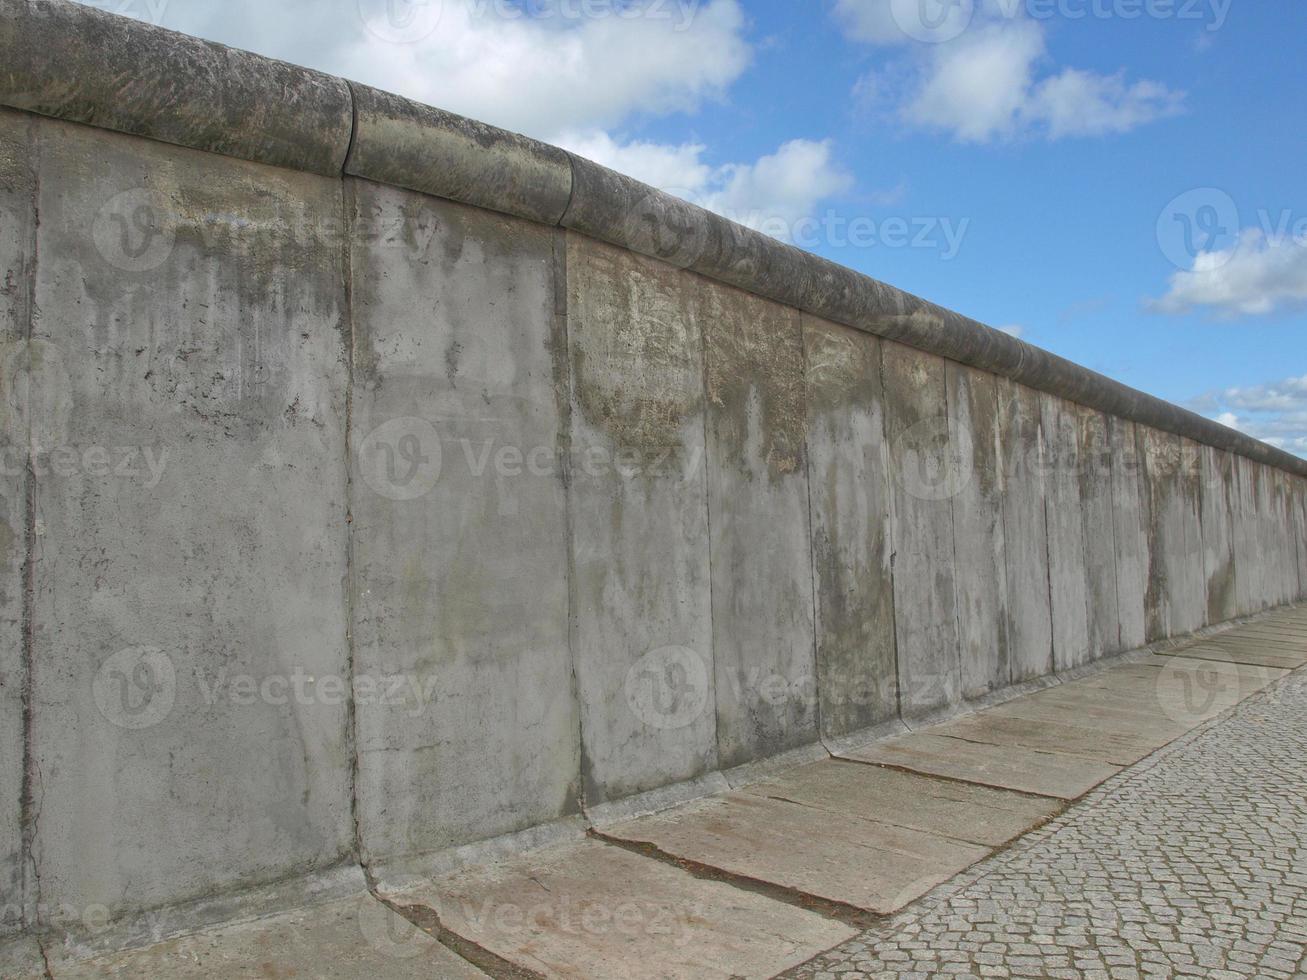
(1244, 655)
(1097, 709)
(1184, 866)
(590, 909)
(974, 814)
(1064, 777)
(1105, 744)
(878, 867)
(351, 939)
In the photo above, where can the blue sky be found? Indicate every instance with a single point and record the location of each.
(1119, 181)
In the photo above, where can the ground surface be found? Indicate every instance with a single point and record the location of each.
(1193, 863)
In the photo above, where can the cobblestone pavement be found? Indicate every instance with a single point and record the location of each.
(1191, 864)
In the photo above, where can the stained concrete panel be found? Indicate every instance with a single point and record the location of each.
(1300, 534)
(950, 809)
(848, 467)
(1249, 574)
(1098, 523)
(1164, 523)
(929, 465)
(762, 587)
(980, 555)
(350, 939)
(191, 731)
(17, 401)
(1068, 573)
(1001, 766)
(826, 854)
(595, 910)
(1189, 612)
(642, 632)
(1219, 569)
(1025, 531)
(1129, 537)
(459, 587)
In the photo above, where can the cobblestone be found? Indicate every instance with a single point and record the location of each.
(1189, 864)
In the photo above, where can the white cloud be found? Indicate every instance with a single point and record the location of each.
(990, 82)
(1274, 412)
(1255, 276)
(538, 75)
(771, 194)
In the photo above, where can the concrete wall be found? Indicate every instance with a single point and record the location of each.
(342, 519)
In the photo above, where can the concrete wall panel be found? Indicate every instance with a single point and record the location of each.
(190, 633)
(460, 591)
(1098, 513)
(927, 470)
(763, 632)
(1300, 532)
(1218, 490)
(1067, 566)
(848, 467)
(981, 560)
(1164, 524)
(1030, 616)
(1190, 612)
(1129, 535)
(642, 635)
(17, 231)
(1249, 572)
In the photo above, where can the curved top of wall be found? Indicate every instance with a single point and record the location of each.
(73, 62)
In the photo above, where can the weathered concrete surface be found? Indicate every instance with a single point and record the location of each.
(1119, 748)
(1249, 572)
(352, 939)
(71, 61)
(848, 473)
(1069, 588)
(826, 854)
(407, 144)
(1131, 541)
(192, 525)
(1190, 610)
(594, 910)
(762, 613)
(1164, 523)
(1025, 532)
(1001, 766)
(20, 958)
(1219, 568)
(642, 635)
(975, 814)
(1098, 522)
(459, 591)
(17, 400)
(980, 557)
(927, 467)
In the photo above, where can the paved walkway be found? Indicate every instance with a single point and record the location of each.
(1191, 864)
